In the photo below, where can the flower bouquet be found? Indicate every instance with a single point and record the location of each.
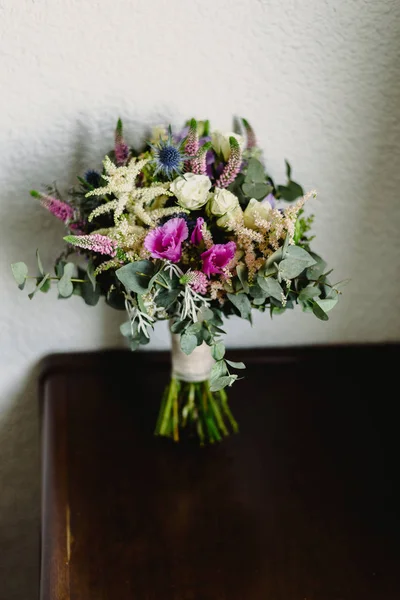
(189, 229)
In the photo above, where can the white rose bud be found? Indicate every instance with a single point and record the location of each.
(256, 208)
(220, 142)
(222, 201)
(191, 190)
(235, 215)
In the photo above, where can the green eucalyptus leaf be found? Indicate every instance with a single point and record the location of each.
(205, 314)
(291, 191)
(20, 273)
(309, 292)
(65, 285)
(218, 370)
(256, 190)
(218, 351)
(222, 382)
(327, 303)
(136, 276)
(39, 262)
(90, 274)
(288, 170)
(46, 285)
(188, 343)
(255, 172)
(39, 285)
(236, 365)
(317, 268)
(271, 286)
(297, 259)
(243, 274)
(319, 312)
(194, 328)
(178, 326)
(166, 298)
(242, 303)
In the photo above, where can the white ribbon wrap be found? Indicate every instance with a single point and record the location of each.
(193, 367)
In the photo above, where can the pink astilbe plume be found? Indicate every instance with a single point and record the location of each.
(100, 244)
(233, 165)
(199, 163)
(58, 208)
(121, 149)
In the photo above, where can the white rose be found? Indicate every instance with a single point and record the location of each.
(235, 215)
(220, 142)
(191, 190)
(256, 208)
(222, 201)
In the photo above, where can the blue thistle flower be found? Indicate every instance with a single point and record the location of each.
(169, 156)
(93, 178)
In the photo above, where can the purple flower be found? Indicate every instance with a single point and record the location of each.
(271, 199)
(58, 208)
(197, 235)
(166, 241)
(218, 257)
(100, 244)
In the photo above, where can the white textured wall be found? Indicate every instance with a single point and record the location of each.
(320, 82)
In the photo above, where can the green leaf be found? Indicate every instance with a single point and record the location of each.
(243, 274)
(218, 370)
(288, 170)
(236, 365)
(20, 272)
(178, 326)
(46, 285)
(291, 191)
(297, 259)
(309, 292)
(90, 273)
(39, 285)
(327, 303)
(65, 285)
(205, 314)
(218, 351)
(194, 328)
(316, 269)
(242, 303)
(319, 312)
(222, 382)
(271, 286)
(188, 343)
(257, 292)
(255, 172)
(135, 276)
(39, 263)
(256, 190)
(166, 298)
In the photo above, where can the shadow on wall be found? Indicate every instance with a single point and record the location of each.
(20, 493)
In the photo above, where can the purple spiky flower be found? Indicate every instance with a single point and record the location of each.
(251, 136)
(100, 244)
(58, 208)
(233, 165)
(121, 149)
(199, 163)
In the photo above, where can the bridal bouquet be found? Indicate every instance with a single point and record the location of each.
(190, 229)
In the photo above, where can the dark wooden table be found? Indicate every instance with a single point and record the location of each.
(301, 505)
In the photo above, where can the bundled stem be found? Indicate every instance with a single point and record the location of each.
(192, 407)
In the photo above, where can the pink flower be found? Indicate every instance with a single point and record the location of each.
(100, 244)
(58, 208)
(218, 257)
(166, 241)
(198, 282)
(197, 234)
